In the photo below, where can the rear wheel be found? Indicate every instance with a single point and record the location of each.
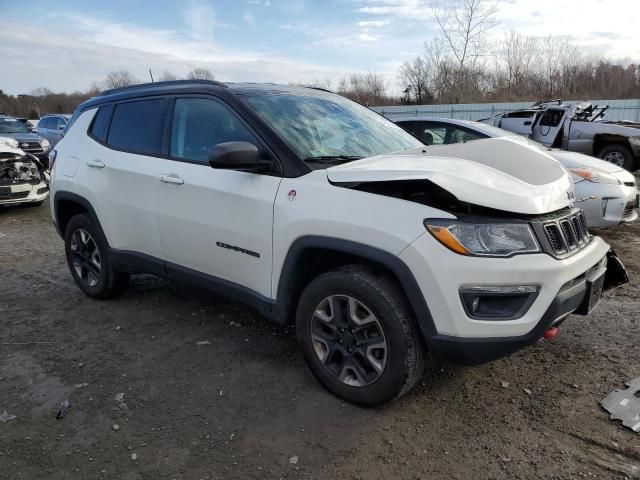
(88, 259)
(358, 337)
(618, 154)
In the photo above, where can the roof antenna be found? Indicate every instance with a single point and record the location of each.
(151, 75)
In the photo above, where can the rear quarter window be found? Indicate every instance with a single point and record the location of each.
(100, 123)
(137, 127)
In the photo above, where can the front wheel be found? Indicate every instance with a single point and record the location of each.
(618, 154)
(88, 259)
(358, 336)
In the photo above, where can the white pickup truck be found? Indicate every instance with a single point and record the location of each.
(578, 127)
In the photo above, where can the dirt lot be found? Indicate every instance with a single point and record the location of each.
(242, 405)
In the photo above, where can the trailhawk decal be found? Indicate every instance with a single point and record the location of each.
(238, 249)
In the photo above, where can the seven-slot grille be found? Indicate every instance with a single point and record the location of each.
(567, 234)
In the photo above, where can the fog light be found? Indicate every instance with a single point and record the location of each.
(497, 302)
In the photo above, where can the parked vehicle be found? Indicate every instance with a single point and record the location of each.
(28, 141)
(23, 178)
(607, 193)
(52, 127)
(27, 123)
(579, 128)
(316, 210)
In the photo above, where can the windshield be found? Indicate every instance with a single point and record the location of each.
(325, 127)
(11, 125)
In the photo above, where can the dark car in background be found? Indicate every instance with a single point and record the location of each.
(28, 141)
(52, 127)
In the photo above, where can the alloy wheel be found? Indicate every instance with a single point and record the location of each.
(85, 257)
(348, 340)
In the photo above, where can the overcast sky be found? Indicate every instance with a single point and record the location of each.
(66, 45)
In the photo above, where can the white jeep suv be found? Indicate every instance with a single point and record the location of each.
(316, 210)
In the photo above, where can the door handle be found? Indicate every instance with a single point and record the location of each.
(174, 179)
(95, 163)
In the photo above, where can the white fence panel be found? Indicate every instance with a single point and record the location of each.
(618, 110)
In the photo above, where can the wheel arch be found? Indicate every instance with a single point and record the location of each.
(310, 256)
(601, 140)
(66, 205)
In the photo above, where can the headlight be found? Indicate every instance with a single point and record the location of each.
(484, 239)
(9, 142)
(45, 143)
(595, 175)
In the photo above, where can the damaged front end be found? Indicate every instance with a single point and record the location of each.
(23, 178)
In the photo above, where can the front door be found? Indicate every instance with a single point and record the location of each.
(548, 129)
(214, 222)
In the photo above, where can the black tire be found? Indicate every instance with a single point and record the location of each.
(618, 154)
(405, 349)
(108, 281)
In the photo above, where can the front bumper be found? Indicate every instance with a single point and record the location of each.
(26, 193)
(611, 205)
(578, 296)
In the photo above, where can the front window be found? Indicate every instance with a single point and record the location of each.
(11, 125)
(323, 127)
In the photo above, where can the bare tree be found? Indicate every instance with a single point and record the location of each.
(120, 78)
(415, 77)
(200, 74)
(464, 25)
(167, 76)
(367, 89)
(518, 53)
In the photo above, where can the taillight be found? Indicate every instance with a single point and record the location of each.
(52, 158)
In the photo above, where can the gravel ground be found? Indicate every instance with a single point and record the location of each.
(243, 405)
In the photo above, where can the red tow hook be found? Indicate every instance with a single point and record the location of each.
(552, 332)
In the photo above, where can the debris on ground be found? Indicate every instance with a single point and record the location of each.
(119, 399)
(134, 456)
(116, 427)
(81, 385)
(203, 342)
(527, 391)
(504, 384)
(64, 408)
(625, 405)
(5, 417)
(293, 460)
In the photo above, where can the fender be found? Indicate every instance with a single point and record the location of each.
(75, 198)
(393, 263)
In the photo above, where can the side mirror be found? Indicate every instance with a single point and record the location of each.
(242, 156)
(60, 127)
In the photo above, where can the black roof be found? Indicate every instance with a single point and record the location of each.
(192, 86)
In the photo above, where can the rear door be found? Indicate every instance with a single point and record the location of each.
(214, 222)
(520, 122)
(121, 172)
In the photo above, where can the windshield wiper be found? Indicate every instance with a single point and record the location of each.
(333, 158)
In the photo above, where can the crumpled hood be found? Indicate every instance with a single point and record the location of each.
(498, 173)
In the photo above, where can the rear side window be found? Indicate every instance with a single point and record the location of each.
(44, 123)
(137, 127)
(101, 123)
(200, 124)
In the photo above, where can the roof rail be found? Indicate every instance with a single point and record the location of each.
(161, 84)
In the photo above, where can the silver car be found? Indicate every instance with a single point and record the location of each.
(52, 127)
(606, 192)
